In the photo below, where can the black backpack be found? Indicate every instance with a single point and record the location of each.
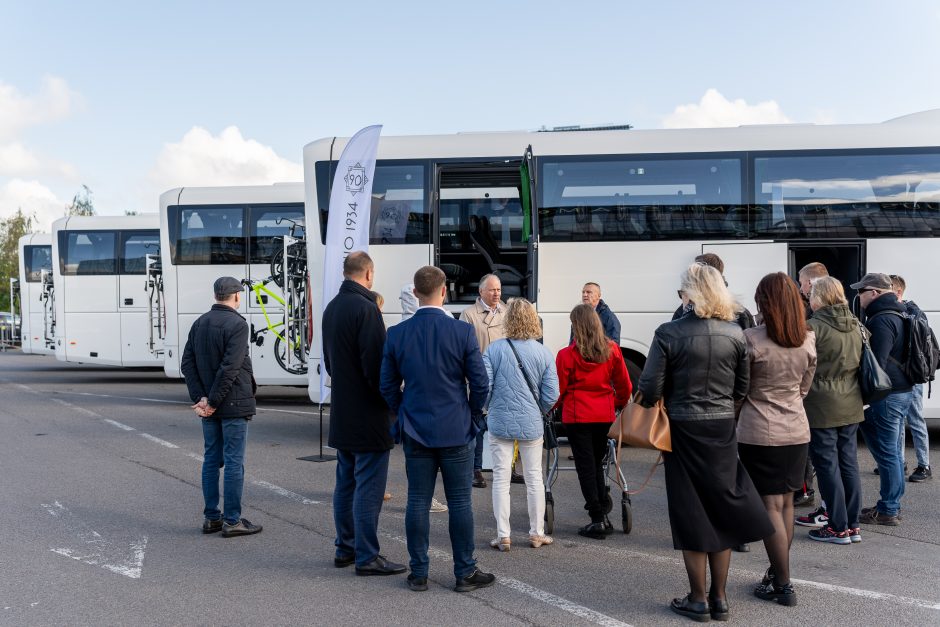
(921, 351)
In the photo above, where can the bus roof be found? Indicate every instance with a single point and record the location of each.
(103, 223)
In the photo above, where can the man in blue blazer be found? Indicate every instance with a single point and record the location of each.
(437, 358)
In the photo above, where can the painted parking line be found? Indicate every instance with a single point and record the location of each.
(172, 402)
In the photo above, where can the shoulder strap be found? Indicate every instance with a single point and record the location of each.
(887, 311)
(525, 376)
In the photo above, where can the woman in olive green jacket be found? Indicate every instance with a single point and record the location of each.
(834, 409)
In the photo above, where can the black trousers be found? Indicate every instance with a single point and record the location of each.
(588, 442)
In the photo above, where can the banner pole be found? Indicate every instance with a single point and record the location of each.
(320, 457)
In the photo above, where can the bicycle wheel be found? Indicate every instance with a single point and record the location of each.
(296, 366)
(277, 266)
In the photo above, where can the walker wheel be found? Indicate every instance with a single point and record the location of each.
(626, 515)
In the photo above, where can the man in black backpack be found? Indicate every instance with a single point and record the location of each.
(915, 417)
(883, 419)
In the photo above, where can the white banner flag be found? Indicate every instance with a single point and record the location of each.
(347, 227)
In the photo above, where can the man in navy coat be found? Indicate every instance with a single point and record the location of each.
(437, 358)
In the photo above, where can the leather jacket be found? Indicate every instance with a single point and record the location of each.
(698, 366)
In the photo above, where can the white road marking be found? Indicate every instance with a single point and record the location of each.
(96, 551)
(119, 425)
(562, 604)
(198, 458)
(285, 492)
(172, 402)
(158, 440)
(869, 594)
(76, 408)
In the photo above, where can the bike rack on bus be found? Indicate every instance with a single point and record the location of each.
(48, 308)
(156, 315)
(295, 284)
(15, 306)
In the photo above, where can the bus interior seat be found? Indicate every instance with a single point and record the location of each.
(512, 280)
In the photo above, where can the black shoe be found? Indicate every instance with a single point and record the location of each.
(342, 561)
(921, 473)
(479, 481)
(780, 593)
(476, 579)
(719, 609)
(211, 526)
(608, 526)
(593, 530)
(804, 499)
(516, 478)
(417, 584)
(380, 566)
(741, 548)
(696, 610)
(242, 528)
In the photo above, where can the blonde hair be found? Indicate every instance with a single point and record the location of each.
(379, 300)
(813, 270)
(827, 291)
(706, 289)
(521, 322)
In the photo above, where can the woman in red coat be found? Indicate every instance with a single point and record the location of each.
(593, 383)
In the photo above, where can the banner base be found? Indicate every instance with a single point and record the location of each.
(318, 458)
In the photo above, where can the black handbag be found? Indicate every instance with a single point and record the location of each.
(549, 441)
(873, 380)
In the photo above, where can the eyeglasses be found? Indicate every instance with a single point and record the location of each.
(679, 292)
(866, 289)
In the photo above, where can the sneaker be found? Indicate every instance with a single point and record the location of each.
(817, 519)
(921, 473)
(479, 481)
(476, 579)
(211, 526)
(874, 517)
(828, 534)
(855, 534)
(437, 507)
(780, 593)
(804, 499)
(242, 528)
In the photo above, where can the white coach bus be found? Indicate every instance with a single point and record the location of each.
(36, 311)
(208, 232)
(101, 297)
(630, 209)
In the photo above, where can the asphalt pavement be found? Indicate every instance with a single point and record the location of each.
(102, 507)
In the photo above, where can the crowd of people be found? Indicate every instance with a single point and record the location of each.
(757, 404)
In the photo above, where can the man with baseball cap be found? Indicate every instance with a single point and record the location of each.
(218, 375)
(883, 419)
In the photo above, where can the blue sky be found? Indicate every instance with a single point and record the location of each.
(132, 98)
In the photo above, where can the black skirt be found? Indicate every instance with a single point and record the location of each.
(775, 469)
(713, 504)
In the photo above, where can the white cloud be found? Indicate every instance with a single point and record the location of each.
(33, 198)
(54, 101)
(716, 110)
(202, 159)
(17, 160)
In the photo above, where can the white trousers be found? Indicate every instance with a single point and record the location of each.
(530, 452)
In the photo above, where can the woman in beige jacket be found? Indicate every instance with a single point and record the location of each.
(773, 432)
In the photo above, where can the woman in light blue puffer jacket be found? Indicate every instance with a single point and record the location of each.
(515, 414)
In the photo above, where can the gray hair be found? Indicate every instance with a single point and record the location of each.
(486, 279)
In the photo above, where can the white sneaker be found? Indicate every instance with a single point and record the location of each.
(437, 507)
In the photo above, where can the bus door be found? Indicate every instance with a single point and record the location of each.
(133, 297)
(746, 263)
(529, 222)
(479, 227)
(844, 259)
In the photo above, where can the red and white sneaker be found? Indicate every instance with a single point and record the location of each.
(828, 534)
(817, 519)
(855, 534)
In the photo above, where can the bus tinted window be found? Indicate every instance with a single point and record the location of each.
(399, 213)
(266, 233)
(36, 259)
(135, 246)
(87, 252)
(847, 195)
(641, 199)
(207, 235)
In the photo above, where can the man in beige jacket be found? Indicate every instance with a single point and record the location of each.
(486, 316)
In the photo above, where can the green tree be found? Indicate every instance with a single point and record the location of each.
(11, 230)
(82, 203)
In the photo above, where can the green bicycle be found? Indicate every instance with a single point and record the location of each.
(289, 333)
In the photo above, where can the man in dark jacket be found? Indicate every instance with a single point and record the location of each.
(218, 375)
(353, 336)
(883, 419)
(591, 295)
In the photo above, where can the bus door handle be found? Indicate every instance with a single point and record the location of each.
(264, 299)
(128, 301)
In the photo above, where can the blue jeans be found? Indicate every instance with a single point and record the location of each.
(357, 503)
(456, 466)
(478, 450)
(225, 440)
(881, 429)
(835, 456)
(915, 420)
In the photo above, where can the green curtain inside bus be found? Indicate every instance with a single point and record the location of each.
(526, 198)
